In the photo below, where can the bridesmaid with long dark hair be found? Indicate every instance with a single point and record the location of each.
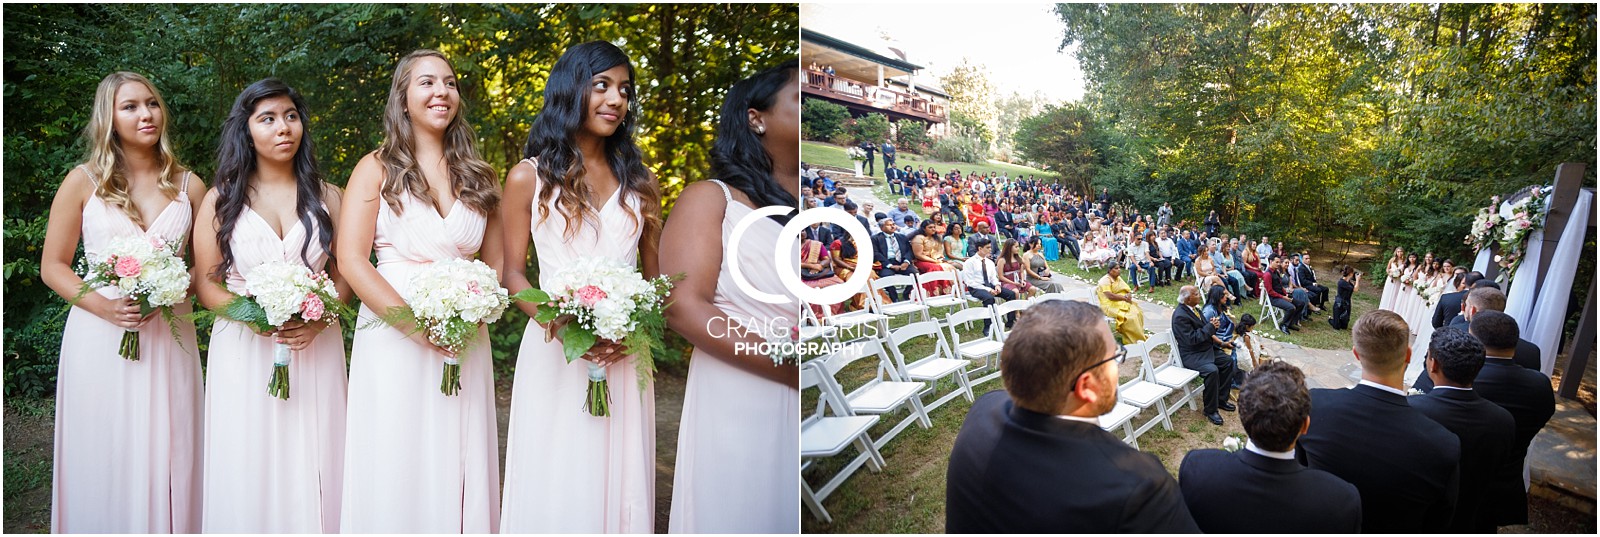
(271, 465)
(417, 460)
(581, 190)
(738, 444)
(127, 438)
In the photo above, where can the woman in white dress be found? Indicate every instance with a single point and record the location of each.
(1391, 286)
(581, 191)
(738, 443)
(417, 460)
(127, 432)
(1407, 293)
(271, 465)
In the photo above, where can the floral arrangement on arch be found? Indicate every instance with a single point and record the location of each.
(1525, 216)
(1481, 234)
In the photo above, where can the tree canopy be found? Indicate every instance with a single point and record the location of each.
(341, 58)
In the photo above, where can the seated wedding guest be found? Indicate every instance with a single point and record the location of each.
(1195, 337)
(1261, 488)
(1033, 458)
(844, 254)
(955, 245)
(1308, 279)
(982, 229)
(1487, 432)
(1277, 286)
(1349, 283)
(840, 195)
(1404, 464)
(909, 227)
(1525, 393)
(982, 277)
(1188, 251)
(816, 267)
(1116, 302)
(902, 209)
(927, 253)
(891, 255)
(1037, 271)
(1175, 267)
(1478, 301)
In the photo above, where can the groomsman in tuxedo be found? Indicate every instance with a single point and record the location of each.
(1033, 458)
(1450, 303)
(891, 253)
(1197, 343)
(1261, 488)
(1486, 431)
(1484, 299)
(1404, 464)
(1525, 393)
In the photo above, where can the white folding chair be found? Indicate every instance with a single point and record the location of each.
(812, 328)
(956, 296)
(977, 348)
(1171, 373)
(885, 393)
(1268, 311)
(1121, 417)
(939, 364)
(849, 320)
(1086, 294)
(823, 436)
(912, 303)
(1145, 394)
(1010, 307)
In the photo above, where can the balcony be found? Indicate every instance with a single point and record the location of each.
(881, 98)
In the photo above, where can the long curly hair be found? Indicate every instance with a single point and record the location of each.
(737, 156)
(104, 160)
(472, 179)
(236, 164)
(552, 142)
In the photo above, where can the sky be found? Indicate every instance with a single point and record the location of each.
(1015, 42)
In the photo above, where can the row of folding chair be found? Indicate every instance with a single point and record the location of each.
(1150, 387)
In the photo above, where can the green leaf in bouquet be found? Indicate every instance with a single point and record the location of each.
(400, 317)
(547, 313)
(246, 311)
(533, 295)
(639, 344)
(576, 340)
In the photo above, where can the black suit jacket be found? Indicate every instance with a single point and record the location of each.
(1013, 470)
(1245, 492)
(1449, 307)
(1308, 277)
(880, 249)
(1003, 222)
(1404, 464)
(1527, 356)
(1487, 434)
(1194, 337)
(1527, 395)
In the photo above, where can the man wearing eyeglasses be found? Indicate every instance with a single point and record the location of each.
(1033, 458)
(1197, 341)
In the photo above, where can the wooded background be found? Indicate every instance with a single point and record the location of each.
(341, 58)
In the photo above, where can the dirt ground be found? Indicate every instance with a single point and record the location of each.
(29, 440)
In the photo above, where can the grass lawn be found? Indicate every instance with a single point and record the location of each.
(832, 155)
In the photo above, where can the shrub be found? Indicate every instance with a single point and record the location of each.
(911, 135)
(821, 120)
(958, 148)
(874, 127)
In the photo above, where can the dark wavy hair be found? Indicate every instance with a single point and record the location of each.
(471, 177)
(552, 141)
(737, 156)
(236, 164)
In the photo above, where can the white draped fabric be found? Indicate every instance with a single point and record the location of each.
(1481, 264)
(1547, 319)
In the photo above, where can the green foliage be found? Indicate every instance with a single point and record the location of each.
(341, 58)
(973, 100)
(962, 124)
(959, 148)
(821, 120)
(871, 127)
(1062, 138)
(911, 136)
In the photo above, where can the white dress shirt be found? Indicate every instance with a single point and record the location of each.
(1250, 445)
(972, 273)
(1095, 421)
(1389, 389)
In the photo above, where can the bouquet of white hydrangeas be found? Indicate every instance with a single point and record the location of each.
(276, 293)
(856, 154)
(146, 269)
(449, 299)
(604, 298)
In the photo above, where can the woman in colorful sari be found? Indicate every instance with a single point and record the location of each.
(1116, 302)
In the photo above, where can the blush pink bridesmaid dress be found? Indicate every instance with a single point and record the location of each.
(127, 434)
(738, 468)
(568, 471)
(417, 460)
(272, 466)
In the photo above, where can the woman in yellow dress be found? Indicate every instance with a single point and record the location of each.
(1116, 302)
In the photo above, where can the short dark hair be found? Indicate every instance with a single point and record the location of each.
(1052, 344)
(1473, 277)
(1496, 330)
(1458, 354)
(1247, 321)
(850, 205)
(1485, 282)
(1486, 298)
(1381, 337)
(1273, 404)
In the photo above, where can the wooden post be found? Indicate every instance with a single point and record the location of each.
(1569, 179)
(1579, 348)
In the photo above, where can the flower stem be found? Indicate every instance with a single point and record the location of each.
(130, 345)
(279, 386)
(451, 383)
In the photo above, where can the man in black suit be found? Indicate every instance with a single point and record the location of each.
(1261, 489)
(1479, 300)
(1004, 222)
(1450, 303)
(1033, 458)
(1523, 392)
(891, 253)
(1197, 343)
(1404, 464)
(1486, 431)
(1318, 293)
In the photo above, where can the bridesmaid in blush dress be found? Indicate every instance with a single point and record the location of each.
(271, 465)
(127, 438)
(581, 191)
(739, 441)
(417, 460)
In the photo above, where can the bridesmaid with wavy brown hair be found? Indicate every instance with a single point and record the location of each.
(127, 442)
(417, 460)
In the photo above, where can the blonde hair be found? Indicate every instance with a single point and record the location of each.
(472, 179)
(104, 161)
(1381, 337)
